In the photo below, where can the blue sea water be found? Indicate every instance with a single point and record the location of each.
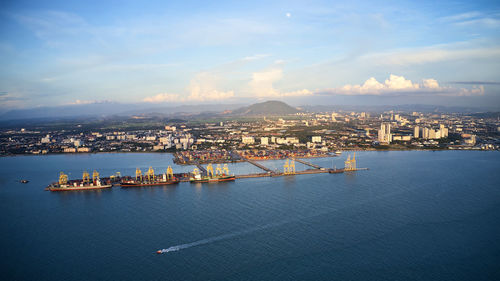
(413, 215)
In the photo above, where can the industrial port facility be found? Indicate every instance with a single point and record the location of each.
(200, 174)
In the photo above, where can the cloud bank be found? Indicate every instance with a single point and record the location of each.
(203, 87)
(399, 85)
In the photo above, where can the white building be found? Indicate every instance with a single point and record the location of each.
(316, 139)
(416, 132)
(247, 140)
(46, 139)
(384, 134)
(264, 140)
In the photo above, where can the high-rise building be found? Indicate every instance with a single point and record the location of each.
(384, 134)
(425, 133)
(443, 130)
(416, 132)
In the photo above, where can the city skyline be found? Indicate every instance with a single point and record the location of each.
(57, 53)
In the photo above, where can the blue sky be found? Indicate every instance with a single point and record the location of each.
(303, 52)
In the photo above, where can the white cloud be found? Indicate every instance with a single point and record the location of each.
(255, 57)
(430, 55)
(204, 88)
(163, 98)
(431, 83)
(298, 93)
(399, 85)
(262, 85)
(262, 82)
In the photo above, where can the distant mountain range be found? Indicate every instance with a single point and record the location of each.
(268, 108)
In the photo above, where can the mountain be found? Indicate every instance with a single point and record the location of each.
(266, 108)
(106, 109)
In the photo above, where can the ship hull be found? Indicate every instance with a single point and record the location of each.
(336, 171)
(126, 184)
(209, 180)
(77, 188)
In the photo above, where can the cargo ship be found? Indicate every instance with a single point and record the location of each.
(150, 179)
(82, 184)
(220, 175)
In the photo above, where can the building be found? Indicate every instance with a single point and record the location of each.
(443, 130)
(247, 140)
(83, 149)
(416, 132)
(264, 140)
(77, 143)
(384, 134)
(316, 139)
(46, 139)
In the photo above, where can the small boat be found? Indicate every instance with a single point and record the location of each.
(159, 252)
(24, 181)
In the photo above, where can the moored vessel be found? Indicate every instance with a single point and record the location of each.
(150, 179)
(220, 175)
(80, 184)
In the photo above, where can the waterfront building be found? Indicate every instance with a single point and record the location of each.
(416, 132)
(384, 134)
(247, 140)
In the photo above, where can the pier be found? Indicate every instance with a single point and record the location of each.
(259, 165)
(308, 164)
(200, 167)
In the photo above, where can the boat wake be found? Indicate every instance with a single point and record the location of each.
(221, 237)
(263, 227)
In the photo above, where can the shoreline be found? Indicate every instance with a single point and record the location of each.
(163, 152)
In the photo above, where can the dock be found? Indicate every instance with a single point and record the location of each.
(308, 164)
(259, 165)
(201, 168)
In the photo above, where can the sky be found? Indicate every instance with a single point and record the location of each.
(204, 52)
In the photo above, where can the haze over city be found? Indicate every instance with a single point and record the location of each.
(192, 52)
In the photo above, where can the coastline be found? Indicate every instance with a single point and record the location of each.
(164, 152)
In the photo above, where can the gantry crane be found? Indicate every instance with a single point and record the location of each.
(85, 177)
(151, 174)
(350, 164)
(218, 170)
(170, 173)
(210, 170)
(289, 167)
(63, 178)
(138, 174)
(95, 176)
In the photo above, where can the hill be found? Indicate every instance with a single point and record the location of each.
(266, 108)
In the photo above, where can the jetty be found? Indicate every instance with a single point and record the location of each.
(308, 164)
(259, 165)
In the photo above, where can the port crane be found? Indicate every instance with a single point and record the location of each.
(210, 170)
(289, 167)
(151, 174)
(95, 176)
(85, 177)
(170, 173)
(138, 174)
(63, 178)
(218, 170)
(350, 164)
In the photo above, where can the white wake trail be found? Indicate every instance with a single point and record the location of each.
(220, 237)
(263, 227)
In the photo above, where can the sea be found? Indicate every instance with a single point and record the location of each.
(413, 215)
